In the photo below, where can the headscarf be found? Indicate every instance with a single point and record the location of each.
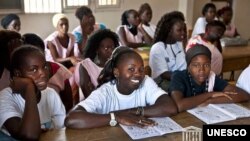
(8, 19)
(58, 17)
(197, 49)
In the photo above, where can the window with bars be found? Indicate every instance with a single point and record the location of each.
(54, 6)
(42, 6)
(108, 3)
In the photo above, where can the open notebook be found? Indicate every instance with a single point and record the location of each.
(165, 125)
(215, 113)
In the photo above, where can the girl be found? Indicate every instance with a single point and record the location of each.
(145, 14)
(125, 95)
(60, 45)
(98, 50)
(9, 40)
(243, 80)
(198, 85)
(225, 14)
(167, 54)
(11, 22)
(211, 39)
(27, 107)
(87, 22)
(131, 33)
(209, 13)
(58, 74)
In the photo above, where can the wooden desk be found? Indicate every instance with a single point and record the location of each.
(116, 133)
(235, 58)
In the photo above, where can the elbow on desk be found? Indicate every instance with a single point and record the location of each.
(69, 123)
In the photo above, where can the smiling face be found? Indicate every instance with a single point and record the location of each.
(129, 72)
(178, 31)
(199, 68)
(34, 67)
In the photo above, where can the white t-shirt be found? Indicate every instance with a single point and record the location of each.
(166, 57)
(107, 98)
(199, 26)
(243, 80)
(51, 110)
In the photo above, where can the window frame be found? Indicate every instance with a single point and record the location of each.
(15, 10)
(92, 4)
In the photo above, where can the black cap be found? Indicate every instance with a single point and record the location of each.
(195, 50)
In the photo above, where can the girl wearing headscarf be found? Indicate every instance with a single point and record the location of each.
(60, 45)
(11, 22)
(198, 85)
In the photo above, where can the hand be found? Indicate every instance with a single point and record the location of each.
(140, 28)
(221, 94)
(74, 60)
(130, 119)
(20, 84)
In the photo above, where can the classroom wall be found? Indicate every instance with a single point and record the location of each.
(241, 9)
(42, 25)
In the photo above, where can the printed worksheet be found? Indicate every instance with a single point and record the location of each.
(164, 125)
(216, 113)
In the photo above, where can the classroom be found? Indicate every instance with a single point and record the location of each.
(74, 70)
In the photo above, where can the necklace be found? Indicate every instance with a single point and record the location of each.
(193, 87)
(174, 54)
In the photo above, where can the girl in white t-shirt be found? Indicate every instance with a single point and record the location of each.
(167, 54)
(208, 15)
(28, 106)
(124, 95)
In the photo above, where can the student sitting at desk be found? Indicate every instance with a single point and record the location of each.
(125, 95)
(211, 39)
(243, 80)
(209, 13)
(99, 48)
(198, 85)
(167, 54)
(145, 14)
(28, 106)
(60, 45)
(131, 33)
(225, 15)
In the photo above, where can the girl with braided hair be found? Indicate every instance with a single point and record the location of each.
(124, 95)
(167, 54)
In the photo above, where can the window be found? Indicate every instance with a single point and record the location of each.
(108, 4)
(42, 6)
(54, 6)
(72, 4)
(11, 6)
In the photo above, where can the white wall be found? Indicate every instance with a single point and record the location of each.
(240, 17)
(41, 23)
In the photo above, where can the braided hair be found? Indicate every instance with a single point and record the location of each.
(165, 25)
(117, 56)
